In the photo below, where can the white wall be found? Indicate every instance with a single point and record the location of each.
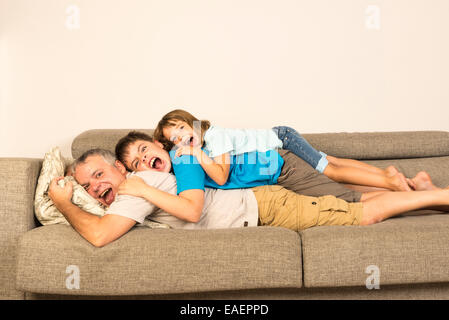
(316, 65)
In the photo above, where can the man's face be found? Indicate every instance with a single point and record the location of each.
(144, 155)
(100, 179)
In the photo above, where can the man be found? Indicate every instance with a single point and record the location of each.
(102, 175)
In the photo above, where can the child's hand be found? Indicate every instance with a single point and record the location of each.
(133, 186)
(188, 150)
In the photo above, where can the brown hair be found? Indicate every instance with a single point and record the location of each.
(170, 119)
(121, 148)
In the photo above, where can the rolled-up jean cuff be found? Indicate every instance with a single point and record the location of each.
(322, 164)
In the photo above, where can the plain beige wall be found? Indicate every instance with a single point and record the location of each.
(316, 65)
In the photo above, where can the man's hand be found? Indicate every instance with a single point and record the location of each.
(60, 195)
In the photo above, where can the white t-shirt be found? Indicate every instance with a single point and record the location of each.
(222, 208)
(238, 141)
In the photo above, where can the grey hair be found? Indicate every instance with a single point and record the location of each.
(107, 156)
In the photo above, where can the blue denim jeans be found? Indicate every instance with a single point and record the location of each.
(295, 143)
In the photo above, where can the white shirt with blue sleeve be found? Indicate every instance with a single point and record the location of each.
(238, 141)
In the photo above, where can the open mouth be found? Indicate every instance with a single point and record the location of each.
(156, 163)
(189, 141)
(107, 196)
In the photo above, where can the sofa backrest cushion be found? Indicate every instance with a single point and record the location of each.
(362, 146)
(100, 138)
(383, 145)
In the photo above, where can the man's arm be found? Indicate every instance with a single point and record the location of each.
(99, 231)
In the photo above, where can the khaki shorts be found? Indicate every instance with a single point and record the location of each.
(284, 208)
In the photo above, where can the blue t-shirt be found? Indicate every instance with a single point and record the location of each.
(246, 170)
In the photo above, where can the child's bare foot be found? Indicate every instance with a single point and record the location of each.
(411, 184)
(391, 171)
(423, 182)
(398, 182)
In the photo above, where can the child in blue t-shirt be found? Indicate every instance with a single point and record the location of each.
(245, 170)
(217, 150)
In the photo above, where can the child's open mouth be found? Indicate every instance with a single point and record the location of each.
(189, 141)
(156, 163)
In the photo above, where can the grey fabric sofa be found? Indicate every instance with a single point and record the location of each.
(409, 253)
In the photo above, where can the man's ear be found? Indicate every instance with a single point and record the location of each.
(120, 166)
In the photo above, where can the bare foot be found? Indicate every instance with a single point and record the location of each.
(391, 171)
(423, 182)
(411, 183)
(398, 182)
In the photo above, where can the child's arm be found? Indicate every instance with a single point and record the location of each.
(217, 168)
(187, 206)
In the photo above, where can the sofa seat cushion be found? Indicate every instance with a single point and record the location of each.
(159, 261)
(401, 250)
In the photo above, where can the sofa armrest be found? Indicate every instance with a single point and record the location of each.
(18, 178)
